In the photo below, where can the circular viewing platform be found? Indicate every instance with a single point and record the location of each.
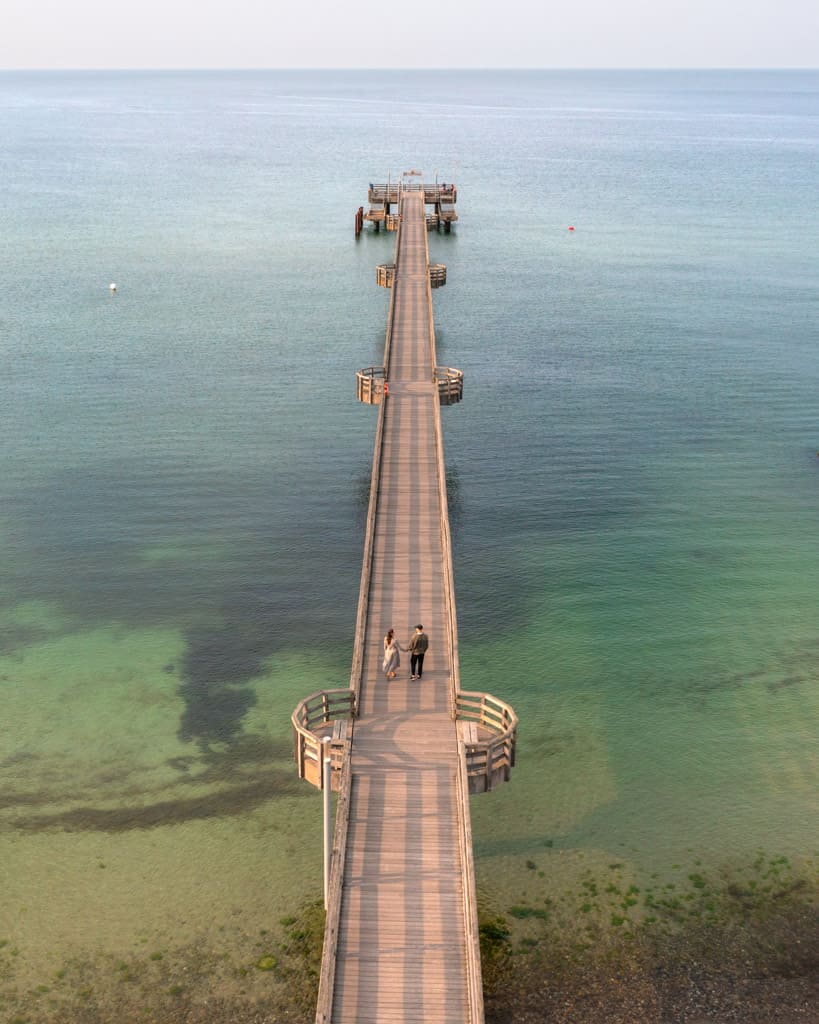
(450, 383)
(437, 275)
(323, 715)
(488, 729)
(369, 384)
(385, 275)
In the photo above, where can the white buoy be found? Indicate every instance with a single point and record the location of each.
(112, 287)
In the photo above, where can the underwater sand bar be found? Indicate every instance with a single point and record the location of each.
(401, 941)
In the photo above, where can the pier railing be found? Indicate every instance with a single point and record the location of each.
(377, 212)
(385, 275)
(489, 759)
(390, 192)
(322, 714)
(474, 983)
(384, 193)
(369, 384)
(332, 919)
(437, 275)
(439, 193)
(450, 384)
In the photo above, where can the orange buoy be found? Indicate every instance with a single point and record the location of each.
(386, 389)
(571, 227)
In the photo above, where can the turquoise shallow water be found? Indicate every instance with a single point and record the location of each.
(633, 473)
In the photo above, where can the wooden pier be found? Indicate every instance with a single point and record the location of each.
(384, 201)
(401, 938)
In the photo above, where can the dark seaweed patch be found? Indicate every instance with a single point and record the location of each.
(238, 764)
(222, 804)
(217, 670)
(19, 757)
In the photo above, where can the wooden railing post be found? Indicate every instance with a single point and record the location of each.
(326, 785)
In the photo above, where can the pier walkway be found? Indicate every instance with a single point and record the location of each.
(401, 942)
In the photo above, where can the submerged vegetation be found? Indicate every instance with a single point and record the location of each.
(742, 946)
(708, 947)
(266, 978)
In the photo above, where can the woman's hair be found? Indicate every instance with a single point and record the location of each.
(389, 636)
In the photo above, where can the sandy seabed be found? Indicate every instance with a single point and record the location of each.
(743, 947)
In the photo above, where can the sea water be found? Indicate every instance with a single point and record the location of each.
(633, 474)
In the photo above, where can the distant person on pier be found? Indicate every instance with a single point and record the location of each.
(417, 649)
(392, 659)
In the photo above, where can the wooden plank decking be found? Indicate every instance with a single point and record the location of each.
(404, 948)
(401, 934)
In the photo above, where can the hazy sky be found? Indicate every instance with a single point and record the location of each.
(448, 33)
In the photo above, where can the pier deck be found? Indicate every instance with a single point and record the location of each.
(402, 948)
(401, 937)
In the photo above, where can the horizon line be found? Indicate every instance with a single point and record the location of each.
(451, 68)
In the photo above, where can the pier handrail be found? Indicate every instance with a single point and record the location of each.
(488, 711)
(396, 262)
(492, 758)
(470, 906)
(329, 953)
(310, 720)
(391, 191)
(327, 977)
(446, 541)
(437, 274)
(450, 383)
(321, 708)
(375, 479)
(474, 979)
(369, 384)
(357, 668)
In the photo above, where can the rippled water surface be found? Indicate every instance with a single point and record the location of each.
(633, 473)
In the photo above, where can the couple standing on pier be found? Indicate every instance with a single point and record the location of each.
(417, 649)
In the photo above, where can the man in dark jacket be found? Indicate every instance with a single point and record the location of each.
(418, 648)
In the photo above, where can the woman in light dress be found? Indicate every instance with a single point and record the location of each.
(392, 659)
